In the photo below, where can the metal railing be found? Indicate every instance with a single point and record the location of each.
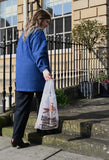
(73, 63)
(70, 64)
(3, 47)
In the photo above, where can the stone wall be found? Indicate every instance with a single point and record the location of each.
(20, 17)
(90, 9)
(93, 9)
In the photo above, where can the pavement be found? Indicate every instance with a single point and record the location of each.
(97, 108)
(37, 152)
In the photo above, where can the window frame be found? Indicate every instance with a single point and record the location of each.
(5, 27)
(53, 18)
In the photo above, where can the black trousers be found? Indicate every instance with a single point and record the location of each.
(22, 110)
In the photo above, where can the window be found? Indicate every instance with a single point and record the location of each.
(61, 17)
(8, 22)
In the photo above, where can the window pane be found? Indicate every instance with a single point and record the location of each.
(2, 13)
(67, 40)
(48, 1)
(1, 51)
(68, 36)
(2, 22)
(67, 24)
(8, 21)
(59, 42)
(59, 25)
(9, 11)
(2, 8)
(8, 3)
(15, 20)
(50, 9)
(2, 34)
(58, 10)
(67, 8)
(15, 33)
(50, 28)
(9, 31)
(14, 2)
(8, 48)
(14, 47)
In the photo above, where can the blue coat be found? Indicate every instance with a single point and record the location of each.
(31, 60)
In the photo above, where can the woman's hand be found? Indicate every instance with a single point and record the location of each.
(47, 75)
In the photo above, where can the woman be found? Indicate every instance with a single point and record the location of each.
(32, 70)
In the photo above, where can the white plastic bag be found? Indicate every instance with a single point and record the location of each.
(48, 114)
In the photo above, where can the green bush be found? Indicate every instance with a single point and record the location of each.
(101, 77)
(62, 99)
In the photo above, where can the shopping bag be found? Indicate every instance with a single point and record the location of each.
(48, 113)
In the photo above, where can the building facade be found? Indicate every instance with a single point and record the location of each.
(65, 14)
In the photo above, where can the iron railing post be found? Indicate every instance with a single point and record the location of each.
(74, 63)
(68, 40)
(65, 43)
(71, 56)
(4, 92)
(58, 46)
(10, 80)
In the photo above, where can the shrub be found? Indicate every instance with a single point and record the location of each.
(101, 77)
(89, 33)
(62, 99)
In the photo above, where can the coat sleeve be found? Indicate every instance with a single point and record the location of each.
(40, 51)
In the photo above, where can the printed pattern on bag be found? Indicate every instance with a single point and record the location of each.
(49, 121)
(48, 113)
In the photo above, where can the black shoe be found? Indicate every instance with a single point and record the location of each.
(19, 143)
(46, 132)
(39, 131)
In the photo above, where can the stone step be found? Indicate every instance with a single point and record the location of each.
(79, 127)
(32, 120)
(5, 120)
(76, 144)
(29, 135)
(100, 130)
(88, 146)
(65, 126)
(86, 128)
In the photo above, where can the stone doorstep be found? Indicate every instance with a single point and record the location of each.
(71, 143)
